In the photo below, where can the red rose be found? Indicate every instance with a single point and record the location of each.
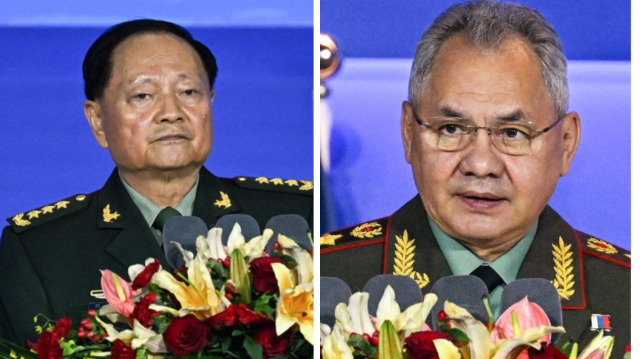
(120, 350)
(420, 344)
(546, 352)
(63, 326)
(141, 311)
(264, 281)
(143, 279)
(272, 344)
(224, 319)
(186, 335)
(249, 317)
(48, 346)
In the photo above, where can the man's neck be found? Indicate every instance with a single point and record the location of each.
(164, 188)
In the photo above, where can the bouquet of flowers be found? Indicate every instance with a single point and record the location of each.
(522, 331)
(226, 302)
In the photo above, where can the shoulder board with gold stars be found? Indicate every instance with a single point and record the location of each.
(275, 184)
(605, 250)
(27, 220)
(363, 234)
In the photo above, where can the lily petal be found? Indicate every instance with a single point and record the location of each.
(359, 313)
(446, 349)
(388, 308)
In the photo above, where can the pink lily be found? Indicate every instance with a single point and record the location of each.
(118, 292)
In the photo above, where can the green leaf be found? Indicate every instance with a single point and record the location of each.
(20, 351)
(253, 348)
(141, 353)
(389, 346)
(240, 276)
(458, 335)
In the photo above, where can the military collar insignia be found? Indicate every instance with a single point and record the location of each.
(224, 201)
(403, 260)
(275, 184)
(367, 230)
(23, 221)
(329, 239)
(601, 246)
(563, 260)
(108, 216)
(354, 236)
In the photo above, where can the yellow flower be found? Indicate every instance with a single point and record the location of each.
(335, 346)
(198, 296)
(295, 305)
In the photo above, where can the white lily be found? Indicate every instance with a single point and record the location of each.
(136, 269)
(250, 250)
(335, 346)
(359, 314)
(211, 246)
(411, 320)
(599, 347)
(302, 257)
(446, 349)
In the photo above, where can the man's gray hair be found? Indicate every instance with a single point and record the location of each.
(487, 24)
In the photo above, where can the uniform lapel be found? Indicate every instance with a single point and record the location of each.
(118, 217)
(411, 248)
(213, 199)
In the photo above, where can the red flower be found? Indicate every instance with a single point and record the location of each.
(420, 344)
(224, 319)
(186, 335)
(142, 313)
(143, 279)
(63, 326)
(48, 346)
(546, 352)
(264, 281)
(249, 317)
(272, 344)
(120, 350)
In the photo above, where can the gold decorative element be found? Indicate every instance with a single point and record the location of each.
(564, 277)
(242, 179)
(601, 246)
(329, 239)
(80, 197)
(262, 180)
(306, 185)
(367, 230)
(403, 260)
(48, 209)
(19, 221)
(34, 214)
(61, 204)
(291, 183)
(628, 255)
(107, 216)
(224, 201)
(276, 181)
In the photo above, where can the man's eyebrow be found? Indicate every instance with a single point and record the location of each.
(449, 112)
(516, 116)
(142, 79)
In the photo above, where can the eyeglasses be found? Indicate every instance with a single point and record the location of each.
(454, 134)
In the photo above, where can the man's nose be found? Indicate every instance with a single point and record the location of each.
(170, 109)
(482, 158)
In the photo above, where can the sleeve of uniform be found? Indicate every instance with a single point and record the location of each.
(21, 293)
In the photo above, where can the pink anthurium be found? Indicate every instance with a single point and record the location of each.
(118, 292)
(518, 318)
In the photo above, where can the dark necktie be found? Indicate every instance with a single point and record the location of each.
(163, 216)
(488, 276)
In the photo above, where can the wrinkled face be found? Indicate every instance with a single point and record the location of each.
(155, 113)
(479, 193)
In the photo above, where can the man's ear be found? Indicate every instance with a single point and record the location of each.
(93, 113)
(570, 140)
(407, 129)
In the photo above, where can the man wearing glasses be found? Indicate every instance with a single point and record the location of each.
(488, 134)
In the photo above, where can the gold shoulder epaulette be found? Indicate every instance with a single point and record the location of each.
(605, 250)
(27, 220)
(361, 234)
(275, 184)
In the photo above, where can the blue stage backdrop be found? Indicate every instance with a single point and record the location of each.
(263, 108)
(369, 178)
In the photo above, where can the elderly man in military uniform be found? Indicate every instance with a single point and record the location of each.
(149, 89)
(488, 134)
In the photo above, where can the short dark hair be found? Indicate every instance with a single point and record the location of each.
(98, 62)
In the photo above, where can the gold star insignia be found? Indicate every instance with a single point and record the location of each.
(262, 180)
(107, 216)
(34, 214)
(329, 239)
(628, 255)
(80, 197)
(291, 183)
(277, 181)
(19, 221)
(48, 209)
(224, 201)
(61, 204)
(306, 185)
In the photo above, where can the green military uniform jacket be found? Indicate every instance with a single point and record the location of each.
(50, 257)
(592, 276)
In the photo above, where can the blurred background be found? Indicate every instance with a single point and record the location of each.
(367, 175)
(263, 109)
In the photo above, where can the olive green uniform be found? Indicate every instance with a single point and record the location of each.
(592, 276)
(50, 257)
